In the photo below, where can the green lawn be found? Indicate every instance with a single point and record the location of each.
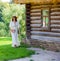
(7, 52)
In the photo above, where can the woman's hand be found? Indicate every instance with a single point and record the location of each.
(12, 30)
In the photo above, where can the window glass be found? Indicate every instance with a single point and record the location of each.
(45, 18)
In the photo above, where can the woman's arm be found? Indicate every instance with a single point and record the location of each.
(10, 26)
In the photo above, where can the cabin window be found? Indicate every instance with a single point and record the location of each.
(45, 18)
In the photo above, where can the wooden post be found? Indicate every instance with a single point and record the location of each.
(28, 28)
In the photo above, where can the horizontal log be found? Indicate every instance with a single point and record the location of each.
(35, 22)
(39, 29)
(45, 33)
(54, 14)
(58, 23)
(35, 10)
(55, 30)
(35, 25)
(44, 6)
(55, 27)
(35, 14)
(52, 21)
(55, 19)
(55, 8)
(35, 29)
(36, 17)
(35, 7)
(44, 38)
(55, 11)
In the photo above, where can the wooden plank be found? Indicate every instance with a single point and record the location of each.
(55, 13)
(44, 38)
(55, 27)
(35, 22)
(45, 33)
(54, 16)
(35, 7)
(55, 19)
(55, 10)
(36, 17)
(35, 14)
(35, 10)
(55, 30)
(35, 29)
(58, 23)
(39, 29)
(35, 25)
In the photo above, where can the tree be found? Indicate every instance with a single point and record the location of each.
(1, 8)
(8, 11)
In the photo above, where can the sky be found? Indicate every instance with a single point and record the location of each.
(5, 0)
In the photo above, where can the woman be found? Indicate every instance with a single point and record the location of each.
(14, 27)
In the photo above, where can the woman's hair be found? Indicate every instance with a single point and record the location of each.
(15, 18)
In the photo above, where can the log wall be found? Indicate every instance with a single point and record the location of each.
(48, 38)
(55, 19)
(34, 22)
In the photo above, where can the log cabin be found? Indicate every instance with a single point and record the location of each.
(42, 23)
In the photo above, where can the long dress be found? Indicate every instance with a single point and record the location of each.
(14, 26)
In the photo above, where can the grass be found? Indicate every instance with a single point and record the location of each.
(5, 41)
(7, 52)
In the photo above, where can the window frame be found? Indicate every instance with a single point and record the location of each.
(45, 28)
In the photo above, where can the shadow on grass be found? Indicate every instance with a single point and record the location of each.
(8, 53)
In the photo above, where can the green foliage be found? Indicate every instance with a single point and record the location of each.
(1, 8)
(6, 12)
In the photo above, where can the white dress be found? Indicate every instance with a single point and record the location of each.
(14, 26)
